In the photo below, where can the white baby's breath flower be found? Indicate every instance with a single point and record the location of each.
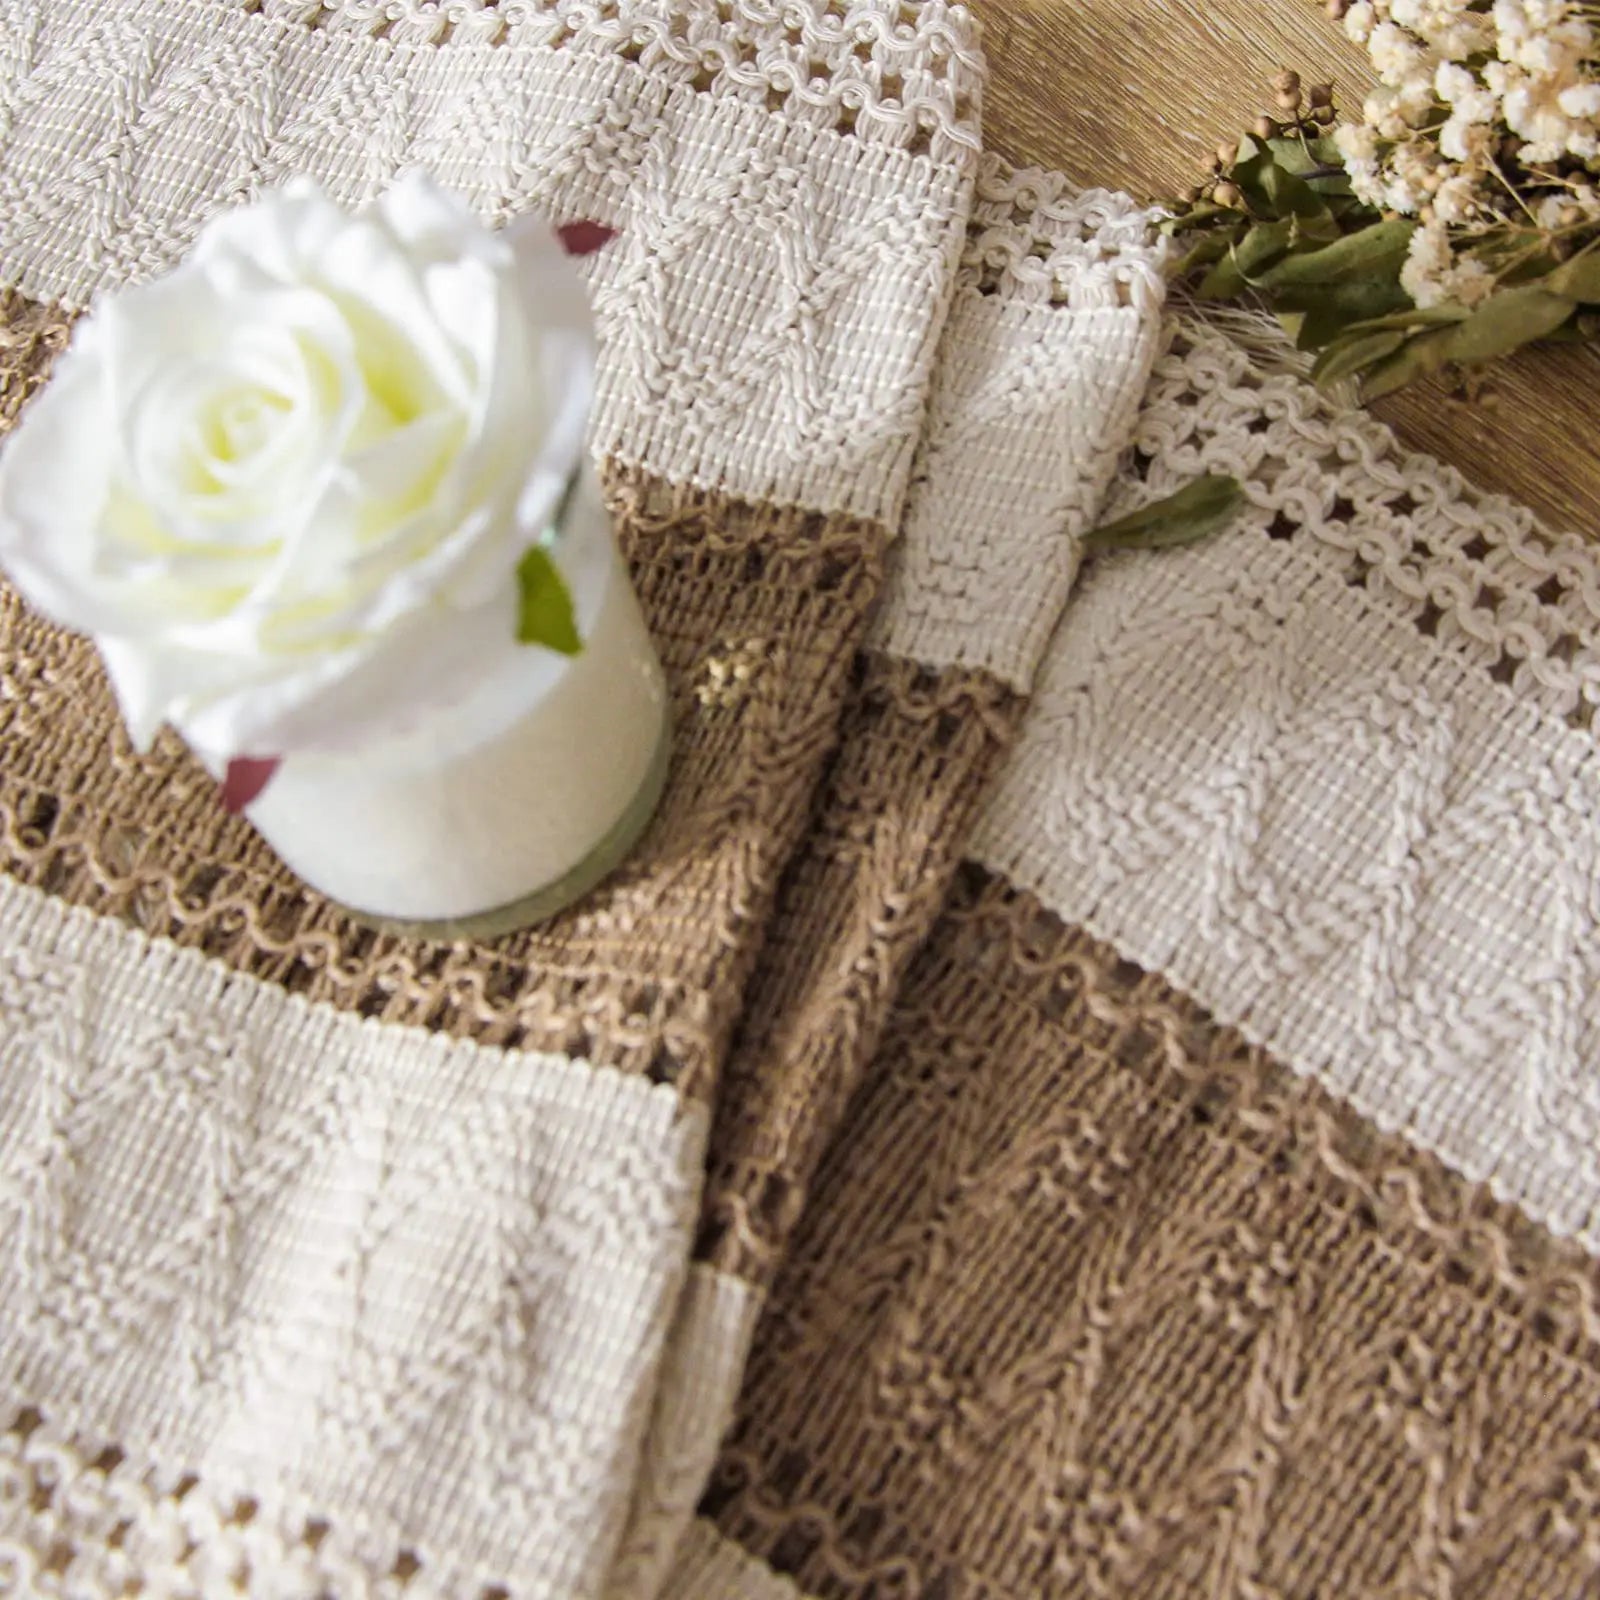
(1394, 112)
(1416, 101)
(1427, 261)
(1417, 163)
(1366, 182)
(1581, 100)
(1470, 143)
(1460, 35)
(1468, 282)
(1547, 212)
(1558, 53)
(1399, 195)
(1433, 275)
(1356, 142)
(1517, 21)
(1396, 55)
(1469, 98)
(1532, 111)
(1457, 200)
(1360, 20)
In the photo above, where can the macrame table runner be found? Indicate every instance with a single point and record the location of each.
(1091, 1085)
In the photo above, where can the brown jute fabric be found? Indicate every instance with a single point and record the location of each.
(1094, 1299)
(757, 613)
(918, 747)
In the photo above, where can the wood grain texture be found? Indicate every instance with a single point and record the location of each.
(1135, 94)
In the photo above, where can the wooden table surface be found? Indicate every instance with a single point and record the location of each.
(1135, 94)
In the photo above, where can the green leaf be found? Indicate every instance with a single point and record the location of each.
(1223, 281)
(1277, 190)
(1507, 321)
(1377, 251)
(1332, 308)
(1316, 230)
(1579, 278)
(1198, 509)
(1354, 353)
(1314, 155)
(1351, 214)
(545, 615)
(1413, 317)
(1293, 156)
(1262, 245)
(1201, 212)
(1416, 358)
(1209, 249)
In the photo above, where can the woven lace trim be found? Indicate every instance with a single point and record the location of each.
(892, 72)
(1473, 571)
(1334, 773)
(1096, 1299)
(1044, 359)
(399, 1285)
(1035, 238)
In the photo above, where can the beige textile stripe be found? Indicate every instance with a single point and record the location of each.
(391, 1283)
(700, 1376)
(1335, 774)
(760, 257)
(712, 1567)
(1044, 357)
(1042, 361)
(1093, 1298)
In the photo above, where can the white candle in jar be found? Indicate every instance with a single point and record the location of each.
(519, 787)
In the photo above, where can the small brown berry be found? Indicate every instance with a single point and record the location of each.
(1287, 82)
(1264, 128)
(1337, 8)
(1320, 94)
(1191, 195)
(1227, 152)
(1227, 194)
(1323, 116)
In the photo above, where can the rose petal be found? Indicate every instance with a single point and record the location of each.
(584, 238)
(246, 777)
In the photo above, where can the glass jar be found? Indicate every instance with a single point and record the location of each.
(497, 810)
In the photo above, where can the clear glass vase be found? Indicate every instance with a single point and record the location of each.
(497, 810)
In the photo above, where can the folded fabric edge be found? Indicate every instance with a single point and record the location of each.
(1032, 401)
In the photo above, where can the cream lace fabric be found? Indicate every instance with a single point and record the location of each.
(1359, 818)
(271, 1267)
(784, 217)
(1089, 1088)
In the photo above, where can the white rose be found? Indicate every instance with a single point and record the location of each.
(287, 487)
